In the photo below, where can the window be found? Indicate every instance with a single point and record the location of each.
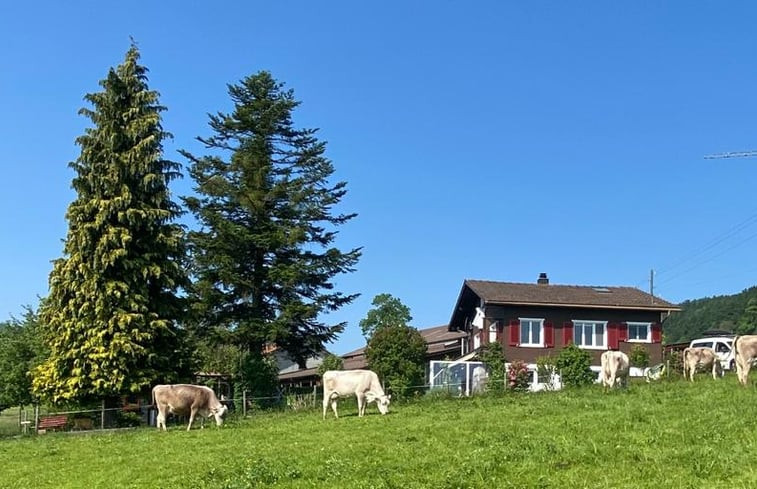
(531, 332)
(590, 334)
(640, 332)
(493, 333)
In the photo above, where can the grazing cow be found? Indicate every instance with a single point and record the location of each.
(614, 369)
(363, 384)
(187, 399)
(745, 353)
(704, 357)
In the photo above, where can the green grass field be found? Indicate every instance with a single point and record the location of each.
(665, 435)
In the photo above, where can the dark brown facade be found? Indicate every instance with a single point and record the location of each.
(617, 318)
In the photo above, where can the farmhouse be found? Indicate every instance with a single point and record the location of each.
(441, 343)
(539, 319)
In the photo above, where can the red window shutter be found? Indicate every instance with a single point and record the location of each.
(656, 333)
(567, 332)
(549, 335)
(623, 331)
(612, 337)
(514, 332)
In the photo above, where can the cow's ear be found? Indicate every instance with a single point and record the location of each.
(389, 397)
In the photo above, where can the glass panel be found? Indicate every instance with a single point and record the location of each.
(535, 333)
(577, 334)
(599, 334)
(587, 334)
(524, 329)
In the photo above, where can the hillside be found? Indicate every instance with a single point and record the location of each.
(699, 315)
(646, 436)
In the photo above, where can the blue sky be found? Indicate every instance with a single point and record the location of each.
(483, 140)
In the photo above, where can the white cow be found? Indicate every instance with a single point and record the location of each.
(745, 353)
(187, 399)
(614, 369)
(704, 357)
(363, 384)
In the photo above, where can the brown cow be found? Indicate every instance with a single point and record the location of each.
(187, 399)
(745, 353)
(705, 357)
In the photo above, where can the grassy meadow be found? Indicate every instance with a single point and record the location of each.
(664, 435)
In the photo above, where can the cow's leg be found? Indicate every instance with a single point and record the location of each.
(333, 406)
(326, 400)
(715, 369)
(745, 372)
(191, 417)
(360, 404)
(161, 420)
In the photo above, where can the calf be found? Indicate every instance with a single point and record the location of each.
(187, 399)
(614, 368)
(704, 357)
(363, 384)
(745, 353)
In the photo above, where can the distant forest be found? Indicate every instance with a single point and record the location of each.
(725, 312)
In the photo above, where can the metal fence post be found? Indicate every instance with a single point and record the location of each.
(244, 403)
(36, 418)
(102, 415)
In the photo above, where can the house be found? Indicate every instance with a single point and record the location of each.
(539, 319)
(441, 343)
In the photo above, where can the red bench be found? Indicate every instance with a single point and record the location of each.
(52, 422)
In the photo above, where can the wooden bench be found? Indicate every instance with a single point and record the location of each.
(52, 422)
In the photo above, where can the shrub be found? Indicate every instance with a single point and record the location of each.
(545, 370)
(639, 356)
(674, 362)
(494, 358)
(330, 362)
(518, 376)
(573, 365)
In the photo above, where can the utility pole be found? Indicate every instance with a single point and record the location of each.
(651, 284)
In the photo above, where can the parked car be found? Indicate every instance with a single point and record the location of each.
(723, 346)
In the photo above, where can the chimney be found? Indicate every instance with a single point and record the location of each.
(543, 280)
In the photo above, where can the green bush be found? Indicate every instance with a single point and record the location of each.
(573, 366)
(494, 359)
(545, 369)
(639, 356)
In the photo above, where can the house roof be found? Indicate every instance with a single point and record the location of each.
(438, 340)
(567, 295)
(551, 295)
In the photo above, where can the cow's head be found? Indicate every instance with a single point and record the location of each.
(218, 412)
(382, 401)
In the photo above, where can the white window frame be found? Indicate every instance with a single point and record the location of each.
(603, 346)
(493, 332)
(541, 333)
(648, 339)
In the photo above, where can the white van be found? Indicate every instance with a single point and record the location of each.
(723, 346)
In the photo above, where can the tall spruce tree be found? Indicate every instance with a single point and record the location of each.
(111, 316)
(264, 260)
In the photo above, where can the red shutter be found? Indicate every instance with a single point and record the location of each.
(623, 331)
(514, 332)
(567, 332)
(549, 335)
(656, 333)
(612, 337)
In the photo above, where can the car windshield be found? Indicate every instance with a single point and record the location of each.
(702, 344)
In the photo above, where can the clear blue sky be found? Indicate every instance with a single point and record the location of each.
(489, 141)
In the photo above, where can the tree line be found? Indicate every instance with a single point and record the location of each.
(138, 298)
(736, 313)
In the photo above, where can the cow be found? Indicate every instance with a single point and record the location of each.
(614, 368)
(187, 399)
(363, 384)
(704, 357)
(745, 353)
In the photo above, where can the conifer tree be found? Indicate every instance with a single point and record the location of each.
(264, 259)
(111, 316)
